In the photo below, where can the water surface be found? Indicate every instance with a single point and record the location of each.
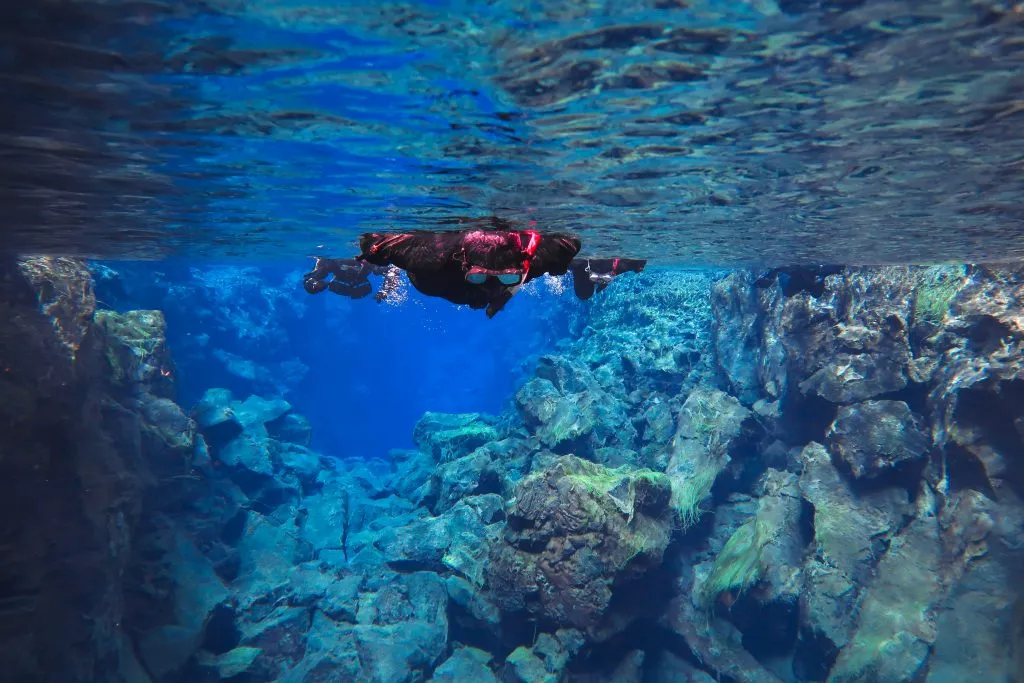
(698, 133)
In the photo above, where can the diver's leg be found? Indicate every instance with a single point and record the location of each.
(315, 281)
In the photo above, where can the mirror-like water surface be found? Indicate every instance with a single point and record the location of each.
(685, 132)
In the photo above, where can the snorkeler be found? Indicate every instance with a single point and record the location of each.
(594, 274)
(480, 268)
(349, 277)
(476, 268)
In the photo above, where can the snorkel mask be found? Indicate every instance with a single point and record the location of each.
(508, 277)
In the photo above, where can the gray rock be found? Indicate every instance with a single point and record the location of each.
(875, 437)
(669, 668)
(465, 476)
(630, 669)
(447, 437)
(466, 664)
(546, 661)
(413, 476)
(849, 533)
(458, 540)
(299, 460)
(567, 404)
(896, 623)
(196, 592)
(713, 427)
(979, 626)
(660, 423)
(291, 428)
(848, 343)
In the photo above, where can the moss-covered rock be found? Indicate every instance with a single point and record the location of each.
(712, 428)
(136, 351)
(574, 531)
(896, 616)
(849, 531)
(448, 436)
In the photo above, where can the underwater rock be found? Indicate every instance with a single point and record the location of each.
(977, 394)
(630, 669)
(240, 435)
(749, 585)
(194, 593)
(231, 663)
(281, 639)
(651, 331)
(74, 480)
(850, 531)
(851, 343)
(660, 423)
(402, 627)
(574, 531)
(61, 290)
(170, 437)
(750, 367)
(552, 417)
(546, 660)
(216, 417)
(844, 340)
(413, 476)
(291, 428)
(565, 406)
(713, 428)
(299, 460)
(875, 437)
(465, 476)
(458, 541)
(981, 623)
(136, 351)
(668, 668)
(465, 664)
(448, 437)
(896, 616)
(716, 642)
(472, 611)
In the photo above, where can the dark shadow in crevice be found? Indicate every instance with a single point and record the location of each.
(221, 635)
(991, 414)
(965, 472)
(806, 418)
(646, 635)
(915, 395)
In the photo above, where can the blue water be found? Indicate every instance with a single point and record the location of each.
(363, 373)
(704, 133)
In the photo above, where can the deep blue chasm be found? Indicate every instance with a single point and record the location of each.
(370, 370)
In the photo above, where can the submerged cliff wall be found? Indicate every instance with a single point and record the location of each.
(90, 439)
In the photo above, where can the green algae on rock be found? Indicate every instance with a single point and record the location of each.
(575, 531)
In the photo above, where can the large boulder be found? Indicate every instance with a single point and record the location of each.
(876, 437)
(194, 594)
(567, 408)
(850, 531)
(73, 480)
(136, 351)
(575, 531)
(448, 437)
(715, 433)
